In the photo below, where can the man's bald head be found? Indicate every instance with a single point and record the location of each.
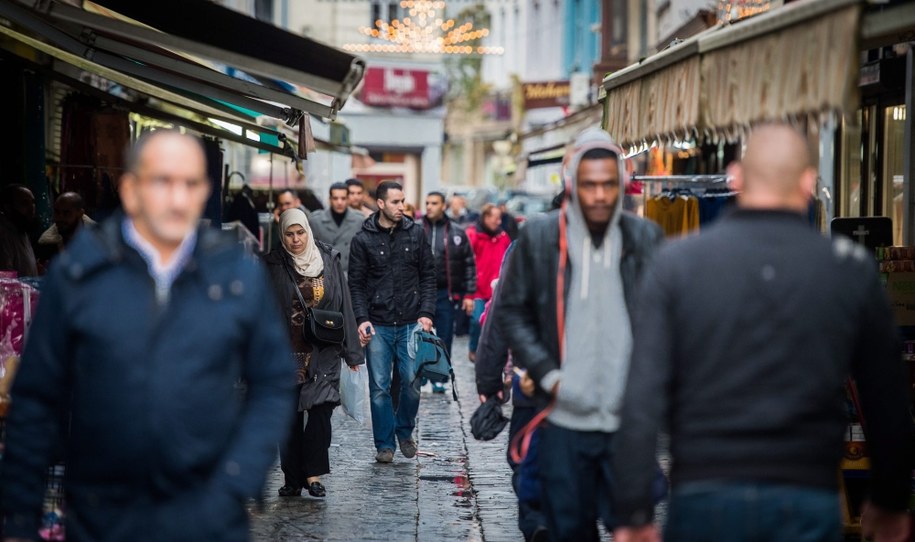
(776, 170)
(68, 213)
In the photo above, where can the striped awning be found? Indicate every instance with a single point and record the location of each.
(796, 60)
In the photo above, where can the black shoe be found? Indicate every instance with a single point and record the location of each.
(541, 534)
(317, 490)
(290, 491)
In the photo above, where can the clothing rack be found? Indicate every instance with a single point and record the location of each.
(699, 179)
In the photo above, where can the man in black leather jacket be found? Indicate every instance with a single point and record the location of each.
(595, 252)
(392, 282)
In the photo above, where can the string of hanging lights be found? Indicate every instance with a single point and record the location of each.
(733, 10)
(424, 30)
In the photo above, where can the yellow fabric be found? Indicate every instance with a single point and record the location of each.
(677, 216)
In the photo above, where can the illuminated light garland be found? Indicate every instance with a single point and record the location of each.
(734, 10)
(424, 31)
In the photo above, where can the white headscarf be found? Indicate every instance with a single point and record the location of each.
(309, 263)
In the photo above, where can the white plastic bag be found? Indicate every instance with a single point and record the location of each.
(354, 390)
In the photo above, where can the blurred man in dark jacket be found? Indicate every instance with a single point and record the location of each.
(743, 341)
(145, 327)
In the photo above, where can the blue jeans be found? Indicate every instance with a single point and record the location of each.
(750, 512)
(387, 350)
(475, 328)
(444, 317)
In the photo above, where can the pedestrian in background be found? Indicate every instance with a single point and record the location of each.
(285, 199)
(459, 213)
(338, 224)
(564, 307)
(409, 210)
(392, 281)
(489, 242)
(356, 197)
(69, 217)
(509, 221)
(146, 324)
(17, 215)
(315, 270)
(455, 270)
(744, 338)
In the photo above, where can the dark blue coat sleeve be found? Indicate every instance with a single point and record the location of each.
(269, 374)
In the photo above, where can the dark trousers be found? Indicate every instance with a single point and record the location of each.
(461, 322)
(444, 317)
(305, 453)
(530, 513)
(752, 512)
(575, 473)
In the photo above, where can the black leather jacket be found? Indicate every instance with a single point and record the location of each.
(527, 302)
(391, 274)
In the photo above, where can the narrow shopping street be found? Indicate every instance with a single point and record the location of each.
(457, 488)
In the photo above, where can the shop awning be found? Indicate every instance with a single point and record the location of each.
(795, 60)
(659, 96)
(147, 41)
(217, 119)
(799, 59)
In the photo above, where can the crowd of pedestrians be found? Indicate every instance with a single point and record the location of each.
(166, 366)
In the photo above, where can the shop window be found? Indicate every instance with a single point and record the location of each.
(894, 167)
(376, 14)
(263, 10)
(853, 152)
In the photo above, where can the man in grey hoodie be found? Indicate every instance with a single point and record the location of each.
(564, 310)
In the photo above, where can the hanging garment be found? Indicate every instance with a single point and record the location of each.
(677, 215)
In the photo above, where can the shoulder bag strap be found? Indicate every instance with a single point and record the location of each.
(295, 286)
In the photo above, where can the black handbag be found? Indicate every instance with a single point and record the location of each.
(321, 327)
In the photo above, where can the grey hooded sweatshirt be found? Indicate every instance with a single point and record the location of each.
(598, 337)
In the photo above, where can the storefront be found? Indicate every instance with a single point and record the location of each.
(797, 64)
(407, 99)
(105, 73)
(840, 71)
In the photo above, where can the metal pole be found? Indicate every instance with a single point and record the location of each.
(826, 187)
(908, 224)
(270, 207)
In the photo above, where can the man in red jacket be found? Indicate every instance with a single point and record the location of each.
(489, 242)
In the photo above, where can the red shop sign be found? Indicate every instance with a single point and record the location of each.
(396, 87)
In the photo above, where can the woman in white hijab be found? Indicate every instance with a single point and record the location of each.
(314, 269)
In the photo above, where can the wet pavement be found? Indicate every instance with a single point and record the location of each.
(457, 488)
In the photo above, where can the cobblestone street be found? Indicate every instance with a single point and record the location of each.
(456, 489)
